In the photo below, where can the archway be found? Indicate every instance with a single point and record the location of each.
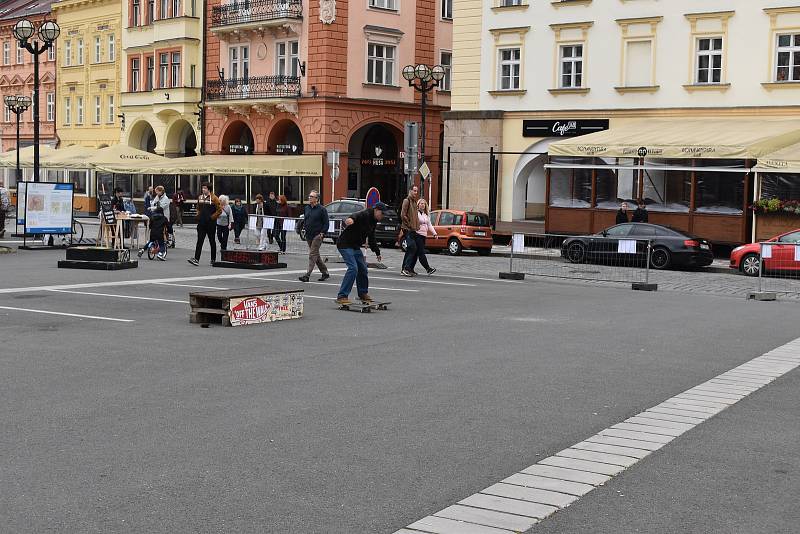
(143, 137)
(181, 140)
(286, 138)
(374, 162)
(530, 182)
(238, 139)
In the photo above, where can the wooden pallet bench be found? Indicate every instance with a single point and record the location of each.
(239, 307)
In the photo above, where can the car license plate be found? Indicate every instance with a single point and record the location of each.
(704, 246)
(390, 228)
(480, 234)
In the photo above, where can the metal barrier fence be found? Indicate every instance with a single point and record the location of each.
(586, 258)
(778, 265)
(275, 229)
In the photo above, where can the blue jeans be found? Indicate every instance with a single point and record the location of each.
(410, 257)
(356, 272)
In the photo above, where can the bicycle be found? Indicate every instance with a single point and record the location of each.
(154, 250)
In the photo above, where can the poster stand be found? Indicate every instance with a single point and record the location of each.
(51, 231)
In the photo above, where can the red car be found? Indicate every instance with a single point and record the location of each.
(747, 258)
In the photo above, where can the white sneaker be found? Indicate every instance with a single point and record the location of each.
(162, 257)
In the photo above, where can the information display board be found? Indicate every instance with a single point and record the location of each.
(48, 208)
(21, 203)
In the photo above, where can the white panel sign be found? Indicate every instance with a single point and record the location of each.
(518, 243)
(252, 221)
(289, 224)
(269, 223)
(797, 252)
(626, 246)
(766, 251)
(331, 226)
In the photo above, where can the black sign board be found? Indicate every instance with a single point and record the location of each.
(288, 148)
(562, 128)
(107, 209)
(239, 149)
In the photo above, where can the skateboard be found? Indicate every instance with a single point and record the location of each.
(364, 307)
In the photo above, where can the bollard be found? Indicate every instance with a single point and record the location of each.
(646, 286)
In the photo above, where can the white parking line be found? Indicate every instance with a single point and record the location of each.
(405, 279)
(189, 285)
(525, 498)
(79, 316)
(111, 295)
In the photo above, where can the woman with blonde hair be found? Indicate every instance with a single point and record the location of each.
(224, 221)
(425, 229)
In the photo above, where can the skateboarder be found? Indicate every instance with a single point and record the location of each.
(358, 228)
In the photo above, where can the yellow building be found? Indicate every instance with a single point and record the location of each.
(88, 72)
(162, 45)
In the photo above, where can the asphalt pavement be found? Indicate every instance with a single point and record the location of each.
(130, 419)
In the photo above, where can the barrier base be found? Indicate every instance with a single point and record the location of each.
(512, 276)
(641, 286)
(98, 265)
(762, 295)
(253, 266)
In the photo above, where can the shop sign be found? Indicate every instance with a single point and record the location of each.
(239, 149)
(562, 128)
(265, 308)
(379, 160)
(287, 149)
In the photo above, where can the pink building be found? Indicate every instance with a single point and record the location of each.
(16, 76)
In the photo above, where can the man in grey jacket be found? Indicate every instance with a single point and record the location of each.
(315, 222)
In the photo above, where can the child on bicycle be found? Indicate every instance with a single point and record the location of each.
(158, 230)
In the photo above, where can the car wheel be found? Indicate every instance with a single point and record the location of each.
(660, 258)
(751, 264)
(576, 252)
(484, 251)
(454, 247)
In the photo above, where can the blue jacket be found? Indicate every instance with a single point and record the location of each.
(315, 221)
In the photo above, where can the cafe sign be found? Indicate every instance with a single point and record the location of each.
(379, 159)
(562, 127)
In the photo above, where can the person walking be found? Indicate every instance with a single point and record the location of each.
(5, 204)
(239, 219)
(271, 210)
(283, 213)
(208, 210)
(179, 200)
(358, 228)
(160, 203)
(224, 222)
(409, 223)
(622, 213)
(640, 213)
(425, 229)
(261, 227)
(148, 198)
(315, 221)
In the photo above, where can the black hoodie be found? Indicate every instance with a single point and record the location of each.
(362, 229)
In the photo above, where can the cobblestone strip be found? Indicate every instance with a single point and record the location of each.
(518, 502)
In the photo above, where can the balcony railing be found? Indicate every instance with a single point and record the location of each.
(244, 11)
(253, 88)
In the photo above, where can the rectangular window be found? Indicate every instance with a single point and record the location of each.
(110, 118)
(112, 48)
(97, 51)
(176, 8)
(233, 63)
(164, 7)
(508, 3)
(7, 115)
(51, 107)
(380, 64)
(571, 60)
(509, 72)
(6, 53)
(20, 57)
(80, 51)
(163, 69)
(447, 9)
(446, 61)
(287, 54)
(788, 58)
(151, 72)
(135, 73)
(98, 112)
(384, 4)
(709, 60)
(571, 188)
(192, 74)
(151, 11)
(67, 53)
(51, 52)
(135, 10)
(175, 80)
(80, 111)
(67, 110)
(638, 63)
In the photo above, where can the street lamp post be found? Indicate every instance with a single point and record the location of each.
(17, 105)
(424, 79)
(48, 32)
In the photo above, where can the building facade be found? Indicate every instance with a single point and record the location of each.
(530, 74)
(88, 71)
(305, 77)
(162, 62)
(16, 77)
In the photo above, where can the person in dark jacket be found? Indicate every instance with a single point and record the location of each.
(283, 214)
(358, 228)
(640, 213)
(315, 222)
(622, 213)
(208, 209)
(271, 210)
(158, 229)
(239, 219)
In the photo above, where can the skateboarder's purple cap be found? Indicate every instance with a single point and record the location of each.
(380, 206)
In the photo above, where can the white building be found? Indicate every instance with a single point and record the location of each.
(528, 73)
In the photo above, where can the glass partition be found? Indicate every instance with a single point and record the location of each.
(570, 188)
(262, 185)
(782, 186)
(233, 186)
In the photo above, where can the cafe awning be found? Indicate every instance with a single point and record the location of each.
(684, 139)
(9, 159)
(784, 160)
(310, 165)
